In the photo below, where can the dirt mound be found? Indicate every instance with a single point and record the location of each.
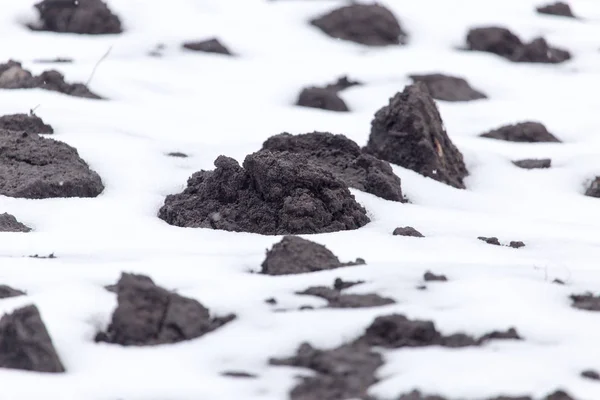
(533, 163)
(407, 231)
(591, 374)
(429, 276)
(294, 255)
(14, 76)
(586, 301)
(594, 189)
(147, 314)
(35, 167)
(559, 8)
(529, 132)
(7, 292)
(368, 24)
(448, 88)
(208, 46)
(29, 123)
(272, 194)
(321, 98)
(91, 17)
(409, 132)
(344, 159)
(503, 42)
(26, 344)
(337, 299)
(515, 244)
(8, 223)
(417, 395)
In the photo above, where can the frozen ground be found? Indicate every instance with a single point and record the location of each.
(206, 105)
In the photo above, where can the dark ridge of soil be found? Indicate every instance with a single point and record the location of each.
(272, 194)
(337, 299)
(58, 60)
(50, 256)
(409, 132)
(177, 154)
(7, 292)
(36, 167)
(591, 374)
(342, 83)
(212, 45)
(340, 284)
(586, 301)
(295, 255)
(92, 17)
(344, 159)
(29, 123)
(417, 395)
(559, 8)
(345, 372)
(529, 132)
(367, 24)
(25, 343)
(494, 241)
(448, 88)
(8, 223)
(503, 42)
(407, 231)
(594, 189)
(147, 314)
(238, 374)
(14, 76)
(322, 98)
(431, 277)
(532, 163)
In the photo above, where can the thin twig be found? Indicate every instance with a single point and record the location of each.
(97, 64)
(32, 111)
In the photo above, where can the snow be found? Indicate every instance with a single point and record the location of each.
(206, 105)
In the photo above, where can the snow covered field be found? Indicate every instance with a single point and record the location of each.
(206, 105)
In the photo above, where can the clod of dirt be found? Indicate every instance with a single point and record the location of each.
(344, 159)
(177, 154)
(345, 372)
(337, 299)
(586, 301)
(368, 24)
(417, 395)
(25, 343)
(531, 163)
(294, 255)
(50, 256)
(272, 194)
(322, 98)
(558, 281)
(409, 132)
(238, 374)
(36, 167)
(7, 292)
(29, 123)
(490, 240)
(510, 333)
(340, 284)
(559, 8)
(8, 223)
(272, 301)
(594, 189)
(530, 132)
(516, 244)
(448, 88)
(407, 231)
(591, 374)
(208, 46)
(14, 76)
(342, 83)
(92, 17)
(147, 314)
(431, 277)
(504, 43)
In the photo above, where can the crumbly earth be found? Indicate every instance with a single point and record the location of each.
(586, 301)
(91, 17)
(322, 98)
(407, 231)
(271, 194)
(534, 163)
(431, 277)
(29, 123)
(367, 24)
(559, 8)
(7, 292)
(529, 132)
(8, 223)
(212, 45)
(147, 314)
(594, 189)
(337, 299)
(448, 88)
(409, 132)
(36, 167)
(25, 343)
(344, 159)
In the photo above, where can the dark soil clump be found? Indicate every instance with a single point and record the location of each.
(177, 154)
(92, 17)
(35, 167)
(417, 395)
(337, 299)
(147, 314)
(272, 194)
(591, 374)
(431, 277)
(25, 343)
(559, 8)
(490, 240)
(14, 76)
(58, 60)
(407, 231)
(586, 301)
(208, 46)
(28, 123)
(531, 163)
(344, 159)
(409, 132)
(448, 88)
(516, 244)
(8, 223)
(367, 24)
(7, 292)
(322, 98)
(340, 284)
(294, 255)
(594, 189)
(238, 374)
(504, 43)
(529, 132)
(342, 83)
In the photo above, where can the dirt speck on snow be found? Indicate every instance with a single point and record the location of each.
(529, 132)
(322, 98)
(7, 292)
(367, 24)
(340, 284)
(407, 231)
(238, 374)
(532, 163)
(337, 299)
(8, 223)
(594, 189)
(91, 17)
(409, 132)
(177, 154)
(586, 301)
(431, 277)
(212, 45)
(559, 9)
(591, 374)
(448, 88)
(272, 194)
(29, 123)
(417, 395)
